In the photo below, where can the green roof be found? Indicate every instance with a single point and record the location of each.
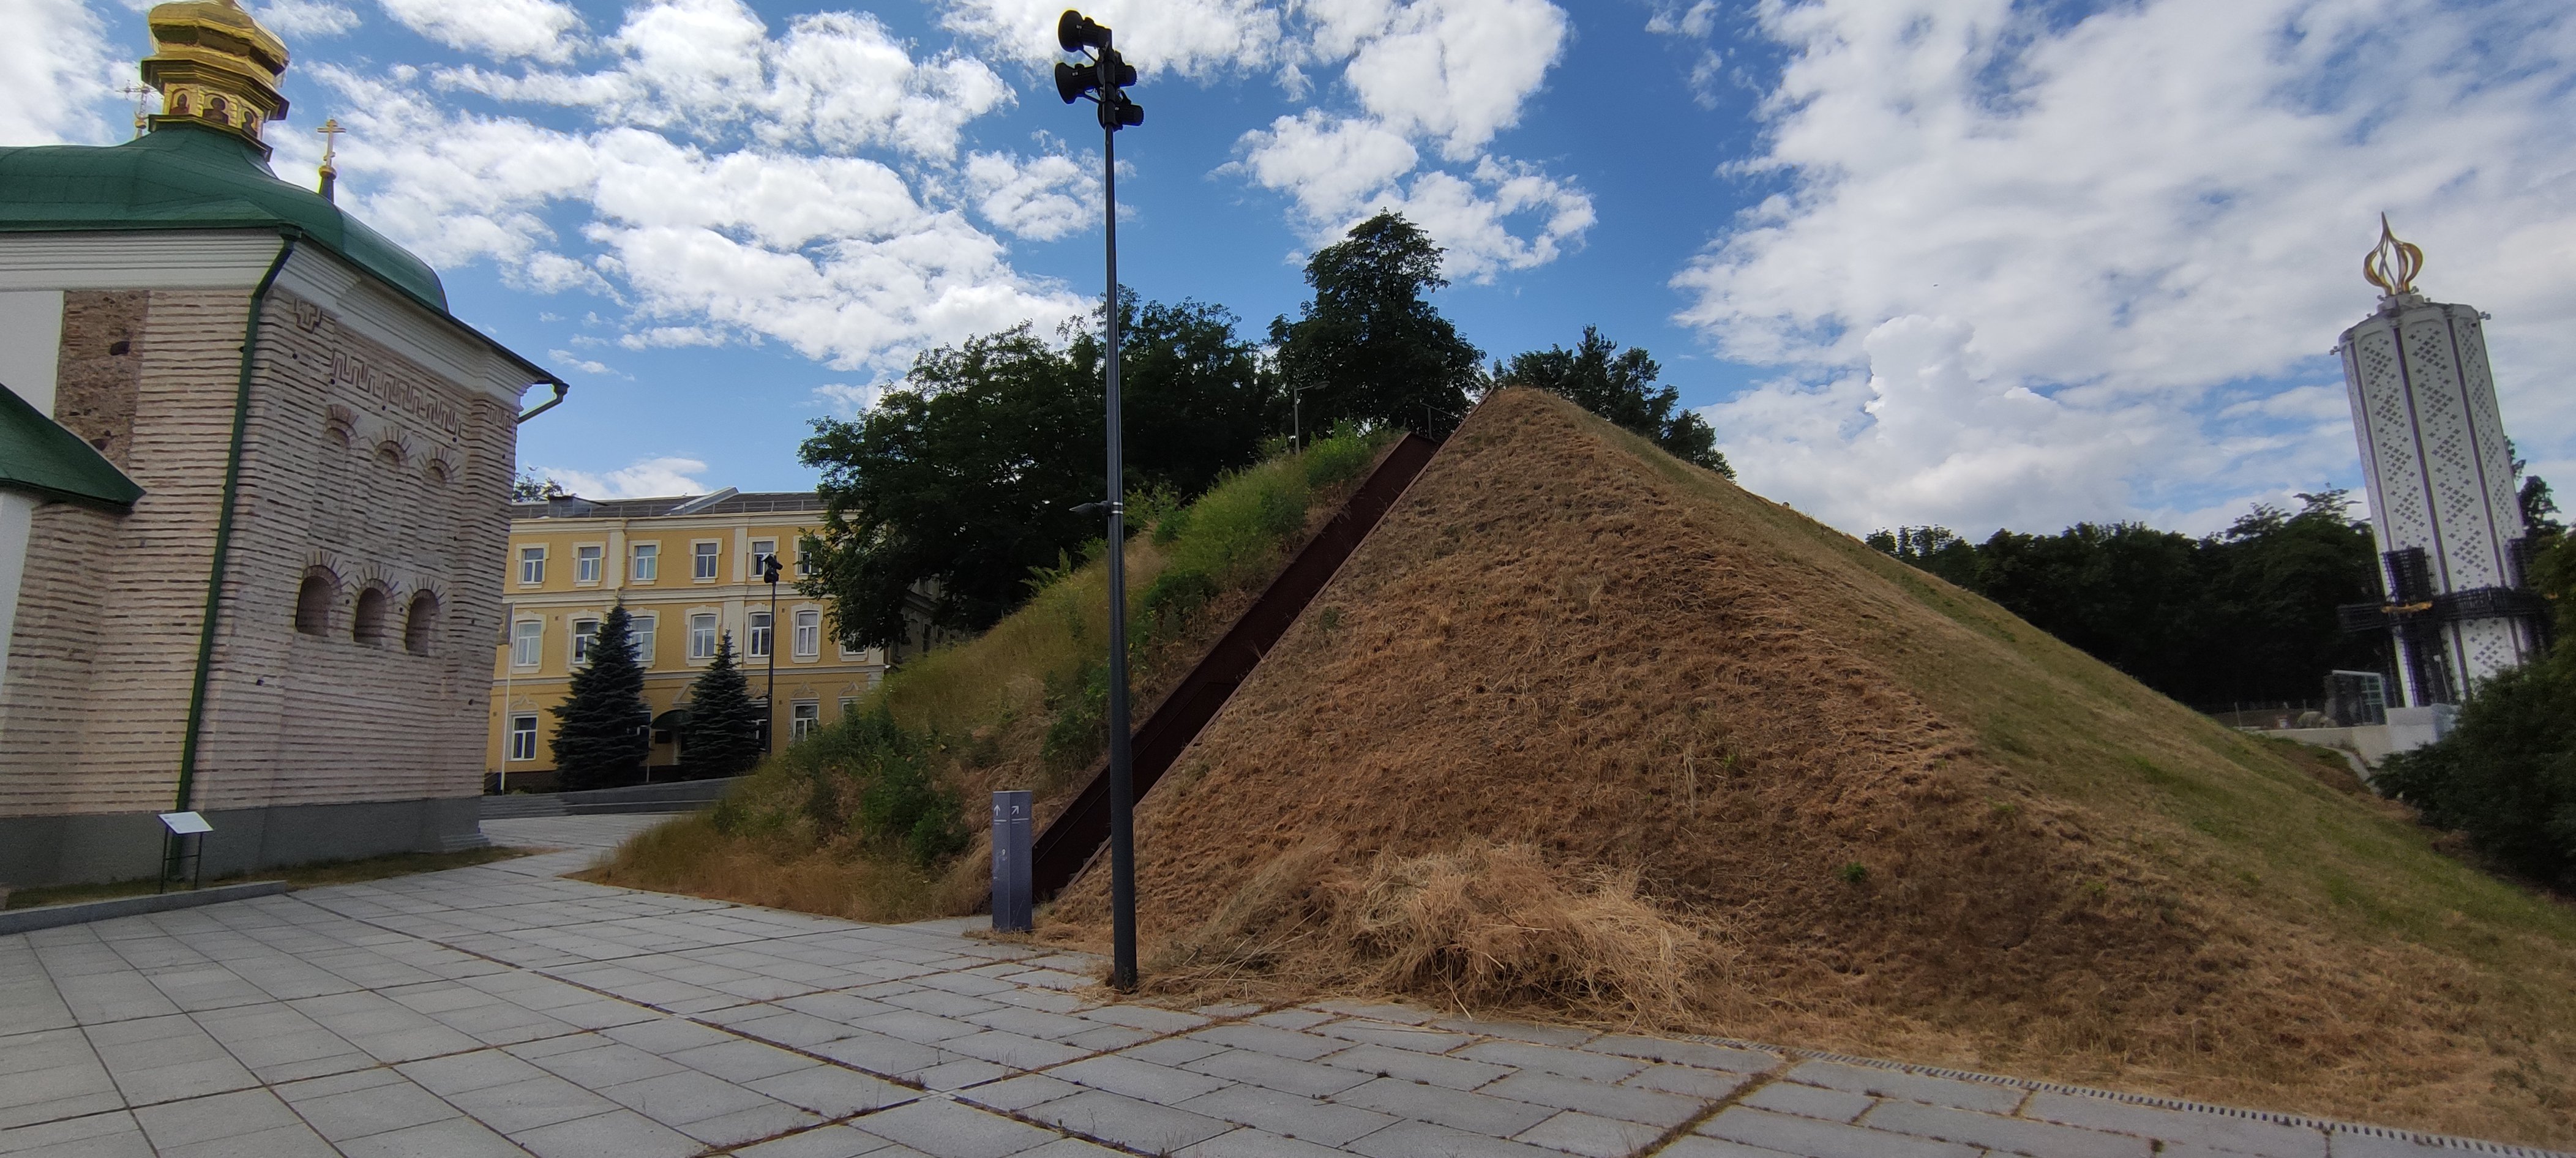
(38, 456)
(183, 176)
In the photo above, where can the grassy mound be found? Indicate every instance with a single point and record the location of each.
(880, 817)
(1585, 731)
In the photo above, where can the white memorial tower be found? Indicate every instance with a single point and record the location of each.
(2444, 504)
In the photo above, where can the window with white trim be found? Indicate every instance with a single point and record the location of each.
(705, 556)
(639, 630)
(849, 707)
(702, 636)
(648, 563)
(809, 634)
(756, 640)
(585, 564)
(532, 566)
(760, 549)
(523, 738)
(583, 631)
(527, 642)
(803, 719)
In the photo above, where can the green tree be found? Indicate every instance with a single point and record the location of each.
(954, 486)
(604, 730)
(1367, 346)
(2506, 774)
(2246, 614)
(723, 735)
(1620, 386)
(1197, 398)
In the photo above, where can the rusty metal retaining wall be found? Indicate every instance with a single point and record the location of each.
(1083, 827)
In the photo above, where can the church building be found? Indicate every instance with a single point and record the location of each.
(271, 591)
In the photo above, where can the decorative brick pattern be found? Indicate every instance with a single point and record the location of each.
(110, 615)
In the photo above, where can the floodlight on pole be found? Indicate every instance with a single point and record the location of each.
(1102, 78)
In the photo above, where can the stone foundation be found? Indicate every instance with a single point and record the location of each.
(51, 850)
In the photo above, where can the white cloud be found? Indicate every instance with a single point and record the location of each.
(2128, 214)
(304, 18)
(643, 479)
(849, 401)
(1458, 70)
(717, 193)
(838, 81)
(502, 29)
(1190, 37)
(1448, 75)
(577, 362)
(1342, 170)
(1041, 198)
(56, 69)
(1331, 165)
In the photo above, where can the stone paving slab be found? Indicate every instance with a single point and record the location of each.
(504, 1010)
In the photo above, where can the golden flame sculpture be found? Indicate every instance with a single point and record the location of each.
(2393, 264)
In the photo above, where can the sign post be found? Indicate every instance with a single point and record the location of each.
(1013, 899)
(183, 837)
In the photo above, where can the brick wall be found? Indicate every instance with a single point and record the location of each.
(359, 464)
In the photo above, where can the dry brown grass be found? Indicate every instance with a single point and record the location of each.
(1566, 642)
(1483, 927)
(689, 855)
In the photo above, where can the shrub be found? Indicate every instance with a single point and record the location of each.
(2506, 775)
(1080, 729)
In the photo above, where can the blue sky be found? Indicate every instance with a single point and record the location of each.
(1958, 261)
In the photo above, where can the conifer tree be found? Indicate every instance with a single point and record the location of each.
(605, 733)
(723, 737)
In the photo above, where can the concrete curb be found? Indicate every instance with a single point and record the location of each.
(2327, 1126)
(52, 916)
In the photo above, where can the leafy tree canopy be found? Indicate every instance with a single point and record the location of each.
(1620, 386)
(2506, 775)
(604, 729)
(2245, 614)
(961, 481)
(1368, 347)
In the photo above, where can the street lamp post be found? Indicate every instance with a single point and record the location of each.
(769, 702)
(1103, 80)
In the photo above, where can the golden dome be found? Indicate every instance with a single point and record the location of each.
(215, 65)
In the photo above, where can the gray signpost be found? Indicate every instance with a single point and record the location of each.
(1012, 896)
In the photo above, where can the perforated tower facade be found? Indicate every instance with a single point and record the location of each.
(2444, 504)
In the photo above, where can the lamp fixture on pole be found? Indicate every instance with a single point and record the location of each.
(1102, 78)
(769, 701)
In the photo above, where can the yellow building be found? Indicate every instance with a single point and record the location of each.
(688, 571)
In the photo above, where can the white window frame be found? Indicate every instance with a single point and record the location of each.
(752, 573)
(513, 751)
(644, 562)
(707, 619)
(849, 706)
(527, 643)
(640, 628)
(532, 566)
(581, 640)
(807, 622)
(588, 561)
(706, 561)
(759, 634)
(803, 718)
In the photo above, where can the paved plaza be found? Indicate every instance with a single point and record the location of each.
(503, 1010)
